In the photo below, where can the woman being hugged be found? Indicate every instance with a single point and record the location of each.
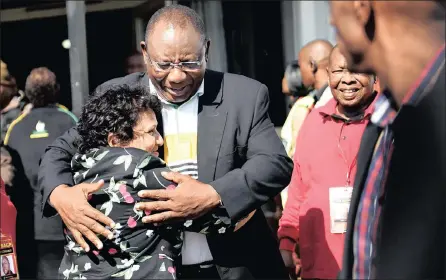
(119, 144)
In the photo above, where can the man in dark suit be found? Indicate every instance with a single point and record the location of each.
(217, 134)
(396, 223)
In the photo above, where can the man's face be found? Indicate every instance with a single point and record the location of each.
(172, 44)
(350, 89)
(351, 36)
(135, 63)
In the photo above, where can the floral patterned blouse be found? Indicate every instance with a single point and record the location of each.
(137, 251)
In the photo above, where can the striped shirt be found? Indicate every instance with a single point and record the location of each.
(180, 125)
(369, 208)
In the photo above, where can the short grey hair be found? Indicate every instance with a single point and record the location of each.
(179, 16)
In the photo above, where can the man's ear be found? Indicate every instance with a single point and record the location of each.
(362, 10)
(314, 66)
(206, 54)
(144, 51)
(365, 15)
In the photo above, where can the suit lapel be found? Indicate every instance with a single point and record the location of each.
(211, 125)
(365, 153)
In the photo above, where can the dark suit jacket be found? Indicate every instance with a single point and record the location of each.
(411, 234)
(239, 154)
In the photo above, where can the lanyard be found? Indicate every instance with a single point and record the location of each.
(341, 152)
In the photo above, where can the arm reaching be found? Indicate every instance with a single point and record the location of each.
(55, 168)
(70, 201)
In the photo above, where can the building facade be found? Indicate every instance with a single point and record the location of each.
(253, 38)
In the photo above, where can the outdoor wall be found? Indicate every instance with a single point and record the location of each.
(304, 21)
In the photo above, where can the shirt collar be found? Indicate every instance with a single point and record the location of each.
(329, 110)
(384, 114)
(153, 90)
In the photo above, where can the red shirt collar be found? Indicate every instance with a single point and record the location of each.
(329, 109)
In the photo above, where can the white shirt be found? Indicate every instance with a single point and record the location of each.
(180, 125)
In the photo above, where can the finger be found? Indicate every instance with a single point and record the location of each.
(91, 223)
(90, 236)
(100, 217)
(91, 188)
(174, 176)
(156, 194)
(79, 239)
(152, 206)
(160, 217)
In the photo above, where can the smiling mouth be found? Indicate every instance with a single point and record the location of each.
(350, 90)
(178, 91)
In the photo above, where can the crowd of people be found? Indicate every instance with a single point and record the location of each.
(167, 171)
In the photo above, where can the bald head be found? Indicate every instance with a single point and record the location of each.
(176, 16)
(313, 58)
(335, 51)
(316, 50)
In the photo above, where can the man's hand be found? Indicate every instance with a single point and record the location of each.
(287, 257)
(190, 200)
(78, 215)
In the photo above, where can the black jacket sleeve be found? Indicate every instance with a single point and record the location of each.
(266, 171)
(55, 167)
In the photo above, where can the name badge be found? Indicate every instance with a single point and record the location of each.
(8, 259)
(339, 198)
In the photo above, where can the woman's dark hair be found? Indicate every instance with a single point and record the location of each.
(116, 110)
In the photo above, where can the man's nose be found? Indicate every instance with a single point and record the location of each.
(176, 75)
(348, 78)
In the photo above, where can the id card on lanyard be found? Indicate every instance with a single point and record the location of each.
(339, 198)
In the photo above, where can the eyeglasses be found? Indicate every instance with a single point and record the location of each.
(184, 65)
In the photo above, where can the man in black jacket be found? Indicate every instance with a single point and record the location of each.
(396, 223)
(29, 135)
(217, 133)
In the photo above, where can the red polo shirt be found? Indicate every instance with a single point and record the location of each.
(326, 151)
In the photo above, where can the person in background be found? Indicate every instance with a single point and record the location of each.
(15, 108)
(29, 135)
(396, 223)
(315, 213)
(308, 73)
(217, 136)
(308, 78)
(8, 211)
(135, 63)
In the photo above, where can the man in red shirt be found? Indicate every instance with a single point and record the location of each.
(324, 167)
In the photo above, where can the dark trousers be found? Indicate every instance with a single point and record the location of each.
(40, 259)
(208, 271)
(49, 256)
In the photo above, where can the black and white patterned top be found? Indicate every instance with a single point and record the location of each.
(137, 251)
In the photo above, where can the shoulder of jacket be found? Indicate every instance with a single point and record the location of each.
(130, 79)
(240, 79)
